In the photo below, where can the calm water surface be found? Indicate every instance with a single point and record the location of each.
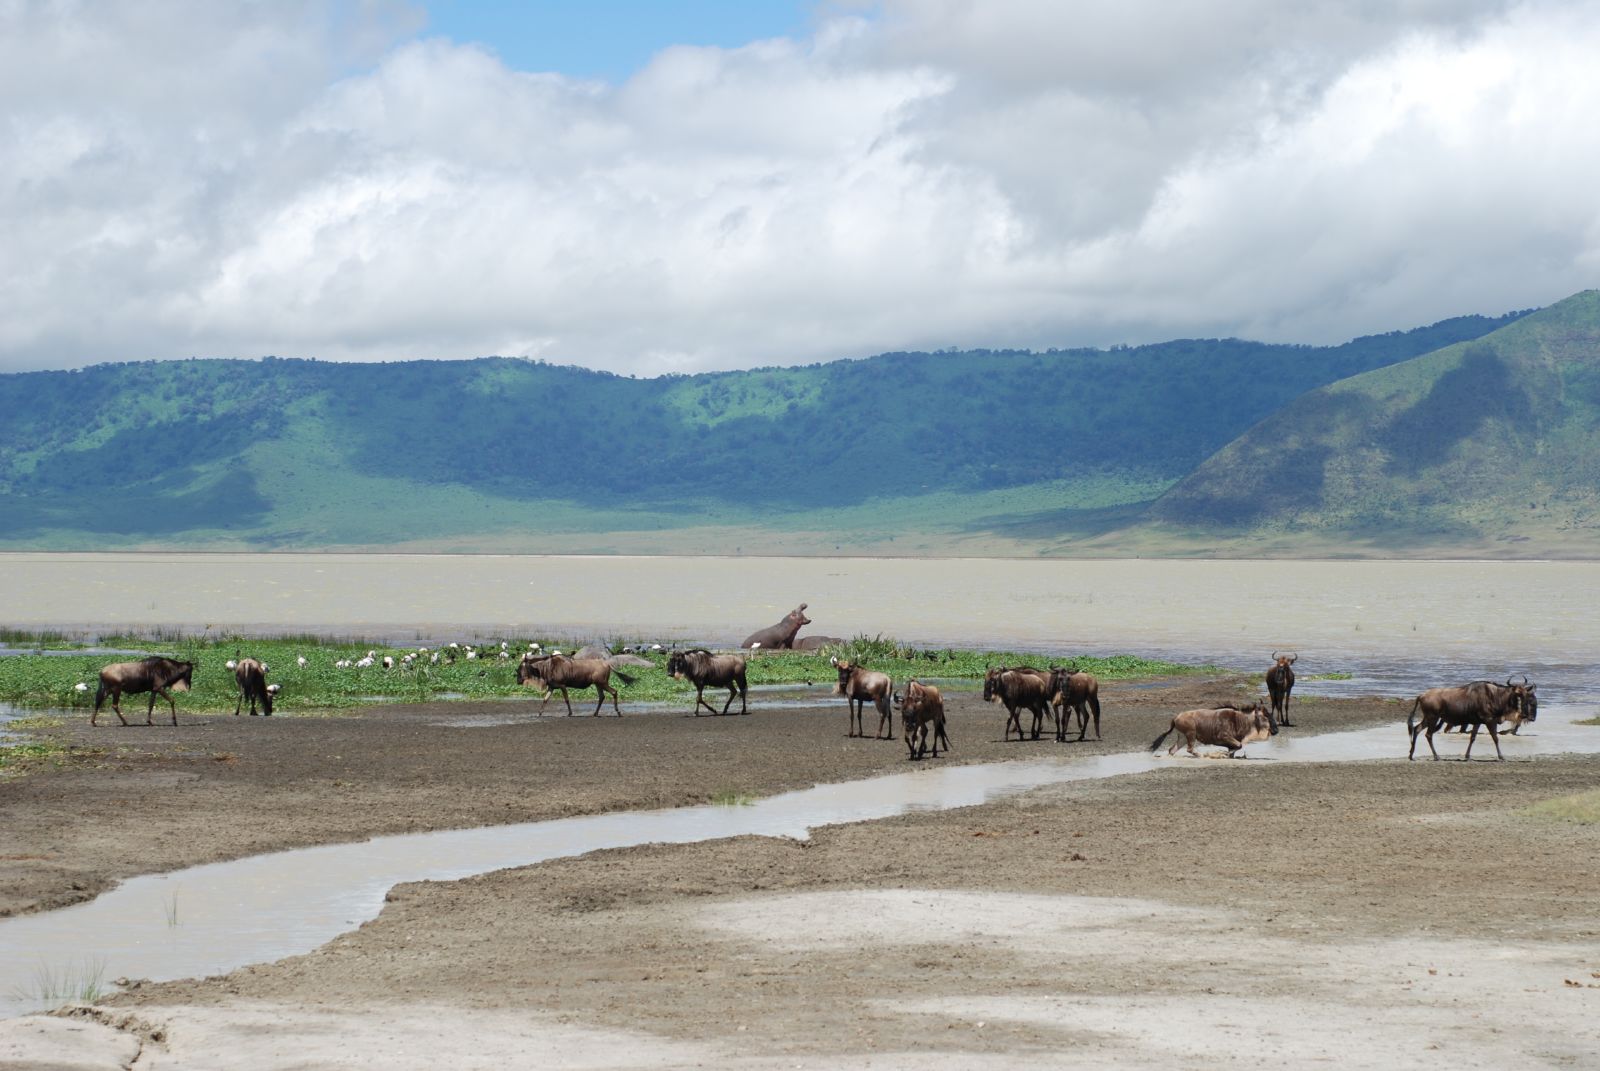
(1385, 621)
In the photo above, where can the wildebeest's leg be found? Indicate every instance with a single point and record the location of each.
(733, 691)
(1431, 726)
(1233, 744)
(938, 735)
(1494, 735)
(744, 693)
(567, 700)
(614, 696)
(149, 710)
(1471, 739)
(240, 704)
(885, 715)
(1192, 751)
(700, 700)
(1285, 719)
(1013, 718)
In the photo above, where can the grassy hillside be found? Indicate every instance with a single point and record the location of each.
(1488, 445)
(908, 453)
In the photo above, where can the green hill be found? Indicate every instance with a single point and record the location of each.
(1487, 446)
(983, 451)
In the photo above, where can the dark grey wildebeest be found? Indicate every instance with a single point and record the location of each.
(702, 669)
(1280, 682)
(1480, 705)
(1228, 727)
(557, 673)
(922, 718)
(858, 686)
(252, 678)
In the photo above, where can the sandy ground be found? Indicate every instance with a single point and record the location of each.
(1209, 914)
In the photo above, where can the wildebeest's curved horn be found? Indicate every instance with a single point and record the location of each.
(1274, 656)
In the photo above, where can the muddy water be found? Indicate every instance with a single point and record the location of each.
(1233, 611)
(215, 918)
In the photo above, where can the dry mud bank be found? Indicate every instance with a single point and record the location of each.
(1208, 914)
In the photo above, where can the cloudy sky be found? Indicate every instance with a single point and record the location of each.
(665, 187)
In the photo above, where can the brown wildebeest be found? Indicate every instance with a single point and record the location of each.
(1019, 687)
(921, 718)
(702, 668)
(1074, 691)
(858, 685)
(252, 678)
(1481, 704)
(1280, 682)
(558, 673)
(779, 637)
(158, 676)
(1227, 727)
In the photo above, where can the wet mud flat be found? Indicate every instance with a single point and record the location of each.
(1118, 920)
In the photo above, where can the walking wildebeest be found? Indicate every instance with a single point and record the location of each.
(1019, 687)
(1227, 727)
(154, 675)
(558, 673)
(703, 668)
(1280, 682)
(858, 685)
(921, 718)
(1481, 704)
(779, 637)
(252, 678)
(1074, 691)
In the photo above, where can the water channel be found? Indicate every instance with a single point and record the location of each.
(215, 918)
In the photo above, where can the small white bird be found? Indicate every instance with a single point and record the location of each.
(274, 689)
(80, 687)
(556, 651)
(364, 662)
(300, 661)
(455, 646)
(471, 655)
(434, 658)
(230, 664)
(388, 662)
(533, 647)
(655, 647)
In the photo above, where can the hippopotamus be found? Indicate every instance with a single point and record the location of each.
(780, 636)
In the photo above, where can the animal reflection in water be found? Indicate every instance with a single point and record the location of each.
(1227, 727)
(557, 673)
(158, 676)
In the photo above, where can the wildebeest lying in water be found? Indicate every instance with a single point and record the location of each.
(158, 676)
(1019, 688)
(1074, 691)
(1479, 704)
(558, 673)
(922, 718)
(859, 685)
(252, 678)
(779, 637)
(702, 668)
(1227, 727)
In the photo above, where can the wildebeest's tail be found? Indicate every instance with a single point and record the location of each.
(623, 676)
(1156, 746)
(1411, 718)
(99, 696)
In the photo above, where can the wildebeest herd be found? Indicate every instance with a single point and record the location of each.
(1058, 694)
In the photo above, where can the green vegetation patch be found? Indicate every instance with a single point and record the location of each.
(476, 671)
(1582, 807)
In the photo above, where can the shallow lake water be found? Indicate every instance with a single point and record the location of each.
(1386, 628)
(210, 919)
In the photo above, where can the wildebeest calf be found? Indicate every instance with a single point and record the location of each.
(252, 678)
(703, 668)
(859, 685)
(158, 676)
(1227, 727)
(922, 718)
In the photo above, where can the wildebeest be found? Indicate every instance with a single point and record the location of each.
(158, 676)
(922, 718)
(859, 685)
(1228, 727)
(1280, 682)
(1019, 687)
(779, 637)
(1480, 704)
(252, 678)
(558, 673)
(702, 668)
(1074, 691)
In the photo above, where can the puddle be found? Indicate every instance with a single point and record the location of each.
(216, 918)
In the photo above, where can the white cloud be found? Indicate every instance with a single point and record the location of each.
(182, 179)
